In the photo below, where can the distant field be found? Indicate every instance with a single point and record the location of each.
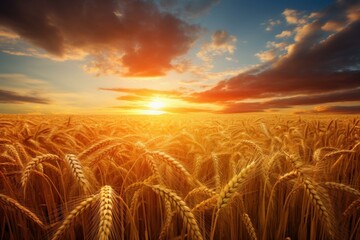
(171, 177)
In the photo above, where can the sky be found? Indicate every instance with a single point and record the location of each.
(179, 56)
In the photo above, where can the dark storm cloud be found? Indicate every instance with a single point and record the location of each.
(133, 35)
(14, 97)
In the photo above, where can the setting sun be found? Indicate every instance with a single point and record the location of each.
(156, 104)
(154, 107)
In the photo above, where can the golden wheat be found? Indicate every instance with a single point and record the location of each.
(15, 205)
(232, 186)
(33, 163)
(106, 214)
(283, 175)
(78, 210)
(182, 208)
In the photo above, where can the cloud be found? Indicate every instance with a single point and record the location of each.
(338, 109)
(332, 26)
(336, 96)
(140, 38)
(284, 34)
(355, 109)
(277, 45)
(270, 24)
(294, 101)
(21, 81)
(243, 107)
(266, 56)
(294, 17)
(14, 97)
(6, 33)
(317, 68)
(221, 46)
(221, 43)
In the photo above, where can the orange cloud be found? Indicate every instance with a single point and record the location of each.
(138, 38)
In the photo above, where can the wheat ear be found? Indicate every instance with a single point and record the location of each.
(206, 204)
(77, 171)
(106, 214)
(172, 162)
(200, 190)
(352, 207)
(343, 187)
(312, 192)
(79, 209)
(168, 218)
(14, 154)
(95, 147)
(33, 163)
(153, 167)
(249, 226)
(232, 186)
(12, 203)
(181, 207)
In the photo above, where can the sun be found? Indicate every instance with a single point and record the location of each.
(155, 107)
(156, 104)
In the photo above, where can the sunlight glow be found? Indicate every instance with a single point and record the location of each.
(156, 104)
(152, 112)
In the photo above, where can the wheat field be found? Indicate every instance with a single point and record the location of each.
(171, 177)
